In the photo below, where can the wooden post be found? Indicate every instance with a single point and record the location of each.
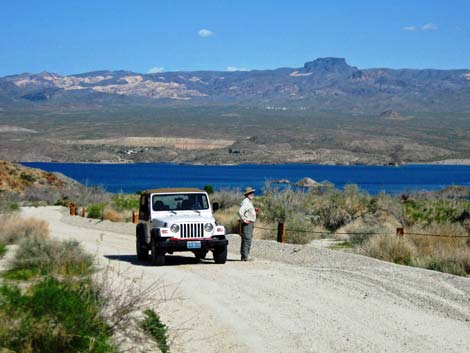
(83, 212)
(240, 227)
(73, 209)
(401, 232)
(135, 217)
(281, 233)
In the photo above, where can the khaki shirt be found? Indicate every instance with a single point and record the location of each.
(247, 211)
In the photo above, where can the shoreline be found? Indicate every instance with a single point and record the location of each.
(445, 162)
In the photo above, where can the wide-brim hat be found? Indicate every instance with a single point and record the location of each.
(248, 190)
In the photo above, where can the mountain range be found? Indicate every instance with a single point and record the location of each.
(325, 84)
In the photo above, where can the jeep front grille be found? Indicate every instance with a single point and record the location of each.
(192, 230)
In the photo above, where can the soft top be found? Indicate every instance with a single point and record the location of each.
(171, 190)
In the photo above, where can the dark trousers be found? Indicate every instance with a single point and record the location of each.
(247, 237)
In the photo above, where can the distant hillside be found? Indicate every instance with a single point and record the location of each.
(322, 84)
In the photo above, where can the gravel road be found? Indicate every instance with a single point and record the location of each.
(290, 299)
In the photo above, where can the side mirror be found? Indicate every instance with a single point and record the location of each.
(215, 206)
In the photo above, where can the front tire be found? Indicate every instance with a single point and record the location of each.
(200, 254)
(142, 251)
(220, 254)
(158, 257)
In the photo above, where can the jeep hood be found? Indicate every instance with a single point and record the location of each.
(189, 217)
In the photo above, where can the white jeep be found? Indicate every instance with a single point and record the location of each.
(178, 220)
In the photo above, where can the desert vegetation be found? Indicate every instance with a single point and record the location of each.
(436, 224)
(54, 298)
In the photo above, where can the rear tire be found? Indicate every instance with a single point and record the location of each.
(220, 254)
(158, 257)
(142, 251)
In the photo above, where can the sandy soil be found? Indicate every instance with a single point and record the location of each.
(291, 298)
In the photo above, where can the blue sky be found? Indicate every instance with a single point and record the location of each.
(77, 36)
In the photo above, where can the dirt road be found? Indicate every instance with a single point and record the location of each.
(291, 299)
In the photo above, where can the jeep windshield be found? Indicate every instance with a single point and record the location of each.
(179, 202)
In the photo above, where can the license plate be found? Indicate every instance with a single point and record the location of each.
(193, 244)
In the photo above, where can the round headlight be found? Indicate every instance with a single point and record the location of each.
(175, 228)
(208, 227)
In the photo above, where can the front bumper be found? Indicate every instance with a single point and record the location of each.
(181, 245)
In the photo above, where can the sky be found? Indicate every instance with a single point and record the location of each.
(69, 37)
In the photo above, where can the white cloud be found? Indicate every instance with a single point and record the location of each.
(424, 28)
(205, 33)
(156, 70)
(429, 27)
(233, 68)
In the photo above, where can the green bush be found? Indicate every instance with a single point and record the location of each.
(52, 317)
(28, 177)
(95, 210)
(442, 265)
(126, 202)
(209, 189)
(52, 257)
(153, 326)
(3, 249)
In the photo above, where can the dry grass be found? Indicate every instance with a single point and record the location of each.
(112, 215)
(389, 248)
(444, 254)
(228, 218)
(14, 228)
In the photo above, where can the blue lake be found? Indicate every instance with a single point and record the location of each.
(134, 177)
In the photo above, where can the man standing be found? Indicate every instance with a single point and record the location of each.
(247, 213)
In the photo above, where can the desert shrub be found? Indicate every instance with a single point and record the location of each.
(456, 262)
(126, 202)
(83, 195)
(209, 189)
(389, 248)
(434, 211)
(153, 326)
(387, 206)
(14, 228)
(43, 256)
(3, 249)
(229, 218)
(280, 205)
(227, 198)
(299, 230)
(112, 215)
(329, 214)
(28, 177)
(8, 202)
(53, 316)
(364, 233)
(95, 210)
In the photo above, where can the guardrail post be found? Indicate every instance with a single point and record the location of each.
(281, 233)
(83, 212)
(401, 232)
(73, 209)
(135, 217)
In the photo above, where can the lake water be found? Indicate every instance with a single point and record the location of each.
(134, 177)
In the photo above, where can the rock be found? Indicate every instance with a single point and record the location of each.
(281, 181)
(390, 114)
(307, 183)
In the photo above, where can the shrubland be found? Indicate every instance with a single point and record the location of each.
(436, 224)
(54, 297)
